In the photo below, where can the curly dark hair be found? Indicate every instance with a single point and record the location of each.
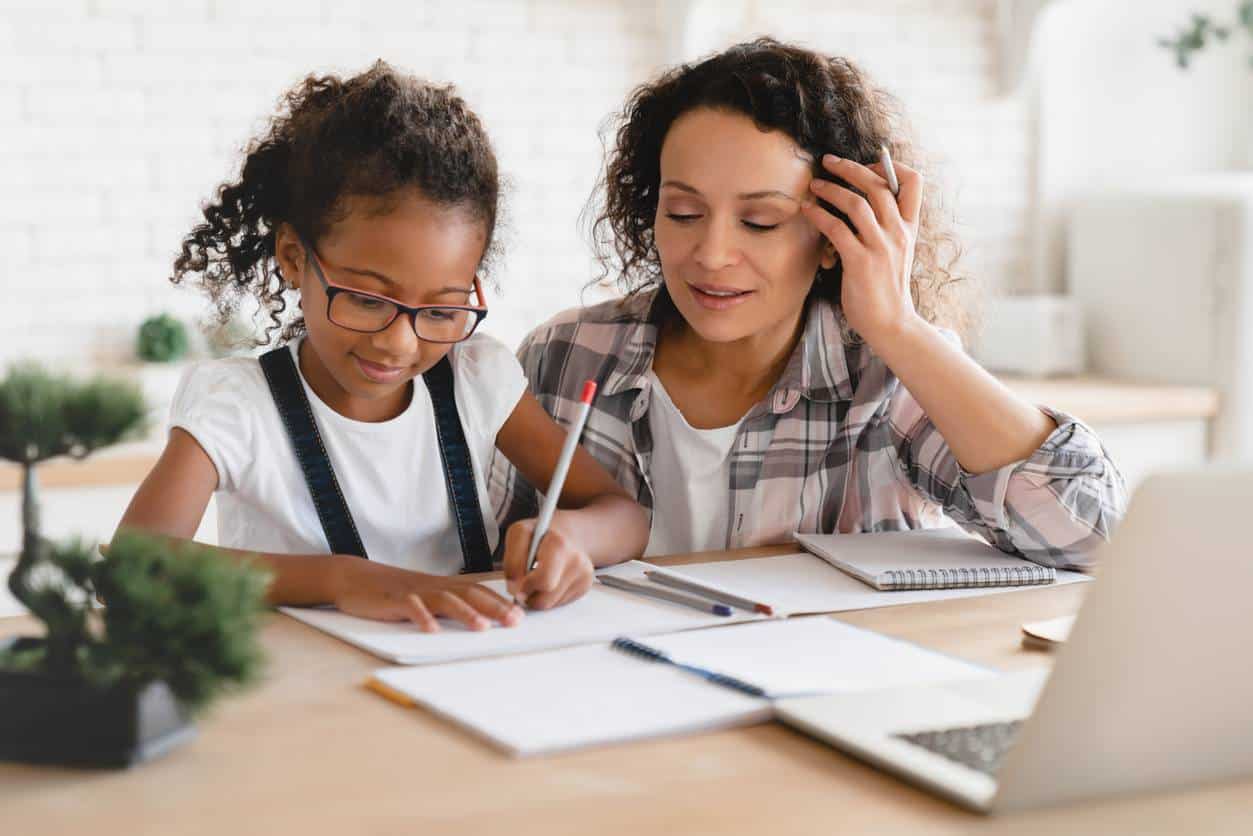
(376, 134)
(825, 104)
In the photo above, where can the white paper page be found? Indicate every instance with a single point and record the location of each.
(803, 583)
(576, 697)
(815, 655)
(601, 615)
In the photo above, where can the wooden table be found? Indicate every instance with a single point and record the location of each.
(310, 751)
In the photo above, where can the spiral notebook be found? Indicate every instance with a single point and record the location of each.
(936, 559)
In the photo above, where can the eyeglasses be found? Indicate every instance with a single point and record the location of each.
(369, 313)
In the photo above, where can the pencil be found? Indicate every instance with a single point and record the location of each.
(889, 173)
(664, 594)
(690, 585)
(558, 480)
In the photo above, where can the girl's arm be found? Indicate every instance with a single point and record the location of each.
(597, 524)
(171, 502)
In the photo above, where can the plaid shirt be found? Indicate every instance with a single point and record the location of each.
(838, 445)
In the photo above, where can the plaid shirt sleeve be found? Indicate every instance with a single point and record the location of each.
(512, 497)
(1054, 507)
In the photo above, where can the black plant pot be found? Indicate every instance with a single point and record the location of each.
(64, 720)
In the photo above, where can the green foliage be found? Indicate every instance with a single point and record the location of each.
(179, 613)
(1201, 30)
(44, 415)
(162, 339)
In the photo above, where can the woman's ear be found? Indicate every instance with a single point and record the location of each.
(829, 257)
(290, 255)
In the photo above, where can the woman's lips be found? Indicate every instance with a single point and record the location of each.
(718, 297)
(379, 373)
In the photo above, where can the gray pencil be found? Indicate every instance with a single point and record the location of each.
(654, 591)
(689, 585)
(889, 173)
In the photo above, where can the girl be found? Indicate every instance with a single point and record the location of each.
(778, 364)
(374, 198)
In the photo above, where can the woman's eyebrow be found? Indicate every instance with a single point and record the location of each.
(758, 195)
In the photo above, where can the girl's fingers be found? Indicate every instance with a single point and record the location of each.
(517, 544)
(577, 589)
(869, 229)
(910, 198)
(548, 598)
(550, 562)
(492, 605)
(450, 605)
(421, 616)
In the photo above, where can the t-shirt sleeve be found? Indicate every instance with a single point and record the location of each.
(490, 380)
(210, 404)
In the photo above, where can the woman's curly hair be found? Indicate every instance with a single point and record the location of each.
(376, 134)
(825, 104)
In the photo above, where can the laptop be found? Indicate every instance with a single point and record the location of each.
(1152, 690)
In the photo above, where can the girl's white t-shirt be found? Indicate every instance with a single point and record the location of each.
(691, 480)
(390, 472)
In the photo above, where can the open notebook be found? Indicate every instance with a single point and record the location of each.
(939, 559)
(599, 694)
(599, 616)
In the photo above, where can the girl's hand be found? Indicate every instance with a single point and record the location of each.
(563, 571)
(387, 593)
(878, 257)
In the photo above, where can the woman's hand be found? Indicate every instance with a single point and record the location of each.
(563, 571)
(878, 257)
(387, 593)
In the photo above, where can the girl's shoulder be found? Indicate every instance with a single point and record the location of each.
(236, 378)
(483, 358)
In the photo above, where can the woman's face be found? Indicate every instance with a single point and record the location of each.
(737, 256)
(414, 252)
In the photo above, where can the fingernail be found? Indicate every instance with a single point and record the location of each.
(830, 158)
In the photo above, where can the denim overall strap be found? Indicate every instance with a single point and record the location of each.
(302, 429)
(463, 489)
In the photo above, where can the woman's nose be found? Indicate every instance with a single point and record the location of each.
(716, 249)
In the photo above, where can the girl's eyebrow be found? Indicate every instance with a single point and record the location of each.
(758, 195)
(391, 283)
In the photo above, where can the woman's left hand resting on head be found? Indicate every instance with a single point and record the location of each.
(597, 524)
(985, 424)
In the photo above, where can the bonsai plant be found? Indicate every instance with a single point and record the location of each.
(162, 339)
(114, 686)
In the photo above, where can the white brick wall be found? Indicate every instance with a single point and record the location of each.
(120, 116)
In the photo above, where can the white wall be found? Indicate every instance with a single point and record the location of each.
(120, 117)
(1114, 108)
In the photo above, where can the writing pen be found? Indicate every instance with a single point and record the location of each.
(660, 592)
(889, 173)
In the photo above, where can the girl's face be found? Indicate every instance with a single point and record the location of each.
(410, 250)
(737, 256)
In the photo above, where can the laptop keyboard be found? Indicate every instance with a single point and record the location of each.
(981, 747)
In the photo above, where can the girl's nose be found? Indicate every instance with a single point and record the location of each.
(398, 339)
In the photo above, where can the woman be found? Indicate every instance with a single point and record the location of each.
(778, 363)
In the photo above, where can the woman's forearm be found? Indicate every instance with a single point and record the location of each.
(985, 424)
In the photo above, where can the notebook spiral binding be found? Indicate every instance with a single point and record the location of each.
(645, 652)
(959, 578)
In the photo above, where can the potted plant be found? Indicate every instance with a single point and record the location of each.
(116, 685)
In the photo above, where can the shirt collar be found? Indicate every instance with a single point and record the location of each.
(817, 370)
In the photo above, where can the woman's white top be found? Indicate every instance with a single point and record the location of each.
(691, 479)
